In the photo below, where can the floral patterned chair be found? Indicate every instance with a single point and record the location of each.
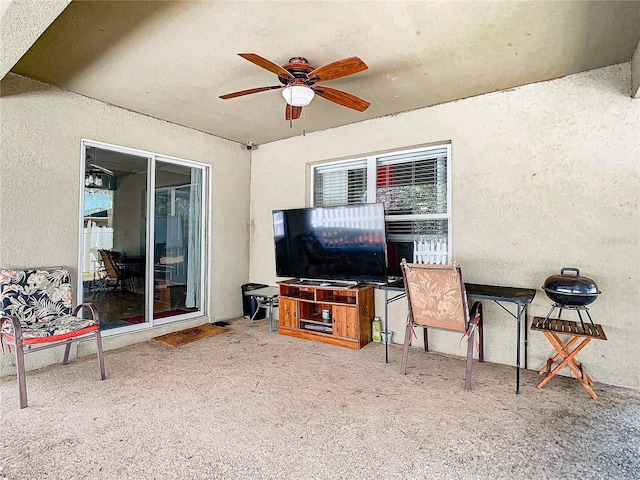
(36, 313)
(437, 299)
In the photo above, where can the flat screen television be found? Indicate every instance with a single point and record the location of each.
(346, 243)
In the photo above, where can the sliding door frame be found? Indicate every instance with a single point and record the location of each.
(152, 158)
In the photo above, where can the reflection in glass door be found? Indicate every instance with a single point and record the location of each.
(177, 240)
(114, 242)
(141, 254)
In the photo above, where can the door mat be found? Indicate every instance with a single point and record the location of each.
(140, 318)
(189, 335)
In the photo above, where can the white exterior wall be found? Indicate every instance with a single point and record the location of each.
(40, 162)
(544, 176)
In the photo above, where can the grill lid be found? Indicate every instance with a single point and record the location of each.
(567, 284)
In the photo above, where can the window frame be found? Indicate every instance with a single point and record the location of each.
(371, 190)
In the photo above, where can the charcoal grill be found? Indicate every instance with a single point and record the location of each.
(570, 291)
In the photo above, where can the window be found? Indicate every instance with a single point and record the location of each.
(413, 185)
(340, 184)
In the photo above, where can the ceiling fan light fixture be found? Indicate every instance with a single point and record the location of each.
(298, 95)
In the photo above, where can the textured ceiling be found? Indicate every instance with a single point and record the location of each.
(172, 60)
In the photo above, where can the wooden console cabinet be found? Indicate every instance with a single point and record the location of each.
(352, 310)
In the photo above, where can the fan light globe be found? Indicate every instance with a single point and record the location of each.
(298, 95)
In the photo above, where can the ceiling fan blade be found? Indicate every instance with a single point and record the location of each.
(266, 64)
(341, 98)
(102, 169)
(341, 68)
(292, 113)
(247, 92)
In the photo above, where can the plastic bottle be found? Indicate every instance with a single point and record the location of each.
(376, 330)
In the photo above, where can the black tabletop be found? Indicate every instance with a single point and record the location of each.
(396, 285)
(481, 292)
(495, 292)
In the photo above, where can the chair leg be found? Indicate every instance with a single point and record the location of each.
(67, 349)
(405, 350)
(22, 380)
(425, 336)
(100, 355)
(467, 375)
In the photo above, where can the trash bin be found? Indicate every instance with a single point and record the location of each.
(250, 304)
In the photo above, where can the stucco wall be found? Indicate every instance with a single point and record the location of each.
(545, 176)
(40, 163)
(635, 73)
(22, 23)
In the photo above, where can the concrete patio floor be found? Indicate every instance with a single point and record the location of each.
(249, 404)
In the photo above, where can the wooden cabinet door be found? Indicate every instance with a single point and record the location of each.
(288, 312)
(345, 321)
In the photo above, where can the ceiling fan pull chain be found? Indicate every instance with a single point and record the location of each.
(290, 107)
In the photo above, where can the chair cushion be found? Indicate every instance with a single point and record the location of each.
(60, 326)
(35, 295)
(41, 299)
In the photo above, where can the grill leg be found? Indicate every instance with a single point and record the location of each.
(586, 310)
(553, 307)
(584, 330)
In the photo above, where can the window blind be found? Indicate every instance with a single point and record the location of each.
(410, 230)
(340, 184)
(413, 183)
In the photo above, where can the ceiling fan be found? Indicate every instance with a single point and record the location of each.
(299, 82)
(98, 168)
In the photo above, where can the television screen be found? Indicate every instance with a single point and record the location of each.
(332, 243)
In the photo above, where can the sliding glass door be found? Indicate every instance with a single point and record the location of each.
(142, 246)
(177, 239)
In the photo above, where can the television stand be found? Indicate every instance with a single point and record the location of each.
(335, 314)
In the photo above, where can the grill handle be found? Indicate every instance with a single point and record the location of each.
(577, 270)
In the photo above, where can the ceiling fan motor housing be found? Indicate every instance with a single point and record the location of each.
(299, 67)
